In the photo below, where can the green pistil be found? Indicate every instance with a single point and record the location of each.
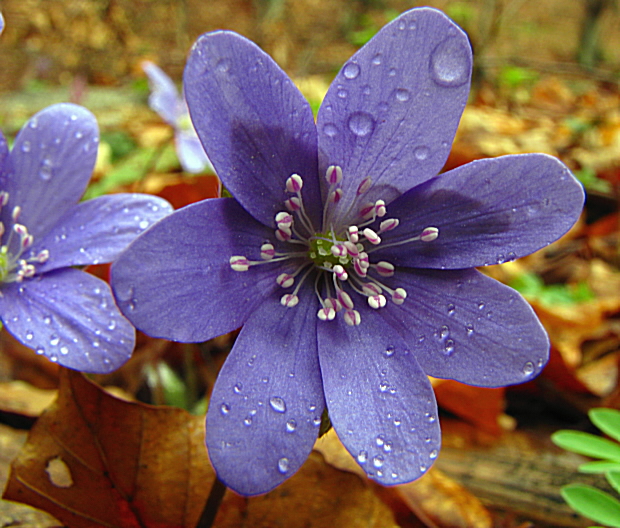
(320, 251)
(4, 264)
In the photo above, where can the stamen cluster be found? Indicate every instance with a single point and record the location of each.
(339, 256)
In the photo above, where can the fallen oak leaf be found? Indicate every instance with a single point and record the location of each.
(92, 460)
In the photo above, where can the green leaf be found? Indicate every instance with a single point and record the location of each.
(613, 477)
(587, 444)
(607, 420)
(592, 503)
(599, 466)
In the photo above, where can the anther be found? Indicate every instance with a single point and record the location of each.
(333, 175)
(294, 183)
(267, 251)
(327, 313)
(367, 211)
(380, 208)
(371, 236)
(345, 300)
(4, 198)
(352, 248)
(283, 235)
(43, 256)
(376, 301)
(388, 225)
(364, 185)
(340, 272)
(385, 269)
(335, 196)
(289, 300)
(371, 289)
(239, 263)
(285, 280)
(293, 204)
(16, 212)
(339, 250)
(352, 317)
(284, 219)
(399, 295)
(353, 234)
(429, 234)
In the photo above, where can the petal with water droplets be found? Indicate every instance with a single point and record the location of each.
(96, 231)
(265, 410)
(380, 401)
(70, 317)
(466, 326)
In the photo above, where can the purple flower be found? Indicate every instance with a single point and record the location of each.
(165, 100)
(349, 262)
(62, 312)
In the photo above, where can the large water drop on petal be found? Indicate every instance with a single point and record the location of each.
(450, 63)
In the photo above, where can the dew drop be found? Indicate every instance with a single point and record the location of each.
(397, 422)
(421, 153)
(402, 25)
(361, 123)
(378, 461)
(451, 309)
(351, 70)
(450, 63)
(511, 256)
(316, 421)
(422, 468)
(501, 258)
(528, 368)
(389, 351)
(283, 465)
(444, 332)
(143, 224)
(26, 146)
(376, 60)
(277, 404)
(540, 362)
(73, 118)
(237, 388)
(380, 440)
(265, 379)
(224, 409)
(312, 408)
(469, 328)
(384, 386)
(330, 130)
(387, 447)
(40, 350)
(29, 335)
(251, 360)
(362, 457)
(223, 66)
(481, 305)
(402, 94)
(433, 454)
(78, 135)
(247, 421)
(449, 347)
(64, 350)
(342, 94)
(366, 89)
(392, 72)
(45, 172)
(111, 325)
(427, 440)
(53, 358)
(54, 340)
(429, 417)
(291, 425)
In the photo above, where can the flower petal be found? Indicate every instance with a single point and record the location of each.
(487, 212)
(380, 402)
(255, 125)
(96, 231)
(51, 163)
(69, 316)
(392, 111)
(164, 98)
(463, 325)
(175, 280)
(190, 152)
(265, 410)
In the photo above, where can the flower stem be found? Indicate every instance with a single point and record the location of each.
(207, 518)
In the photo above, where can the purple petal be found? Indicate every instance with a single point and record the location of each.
(487, 212)
(392, 111)
(463, 325)
(190, 152)
(164, 98)
(69, 316)
(51, 163)
(265, 410)
(96, 231)
(380, 402)
(175, 280)
(255, 125)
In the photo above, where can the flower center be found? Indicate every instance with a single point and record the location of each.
(13, 267)
(338, 257)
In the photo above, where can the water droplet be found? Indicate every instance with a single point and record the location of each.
(26, 146)
(469, 329)
(73, 118)
(449, 347)
(237, 388)
(376, 60)
(422, 468)
(277, 404)
(427, 440)
(389, 351)
(421, 153)
(444, 332)
(451, 309)
(528, 368)
(53, 358)
(78, 135)
(402, 25)
(450, 63)
(143, 224)
(33, 123)
(224, 409)
(265, 379)
(312, 408)
(283, 465)
(40, 350)
(380, 440)
(392, 72)
(111, 325)
(54, 340)
(397, 422)
(500, 258)
(366, 89)
(247, 421)
(481, 305)
(378, 461)
(511, 256)
(433, 454)
(342, 94)
(540, 362)
(223, 65)
(361, 123)
(384, 386)
(45, 172)
(402, 94)
(330, 130)
(387, 447)
(291, 425)
(251, 360)
(64, 350)
(429, 417)
(351, 70)
(362, 457)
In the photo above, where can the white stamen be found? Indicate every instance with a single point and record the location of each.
(339, 250)
(345, 299)
(267, 251)
(333, 174)
(16, 212)
(352, 317)
(388, 225)
(285, 280)
(43, 256)
(353, 234)
(284, 219)
(385, 269)
(294, 183)
(335, 196)
(429, 234)
(371, 236)
(376, 301)
(367, 211)
(326, 314)
(364, 185)
(399, 295)
(380, 208)
(239, 263)
(4, 198)
(371, 289)
(283, 235)
(293, 204)
(289, 300)
(352, 248)
(340, 272)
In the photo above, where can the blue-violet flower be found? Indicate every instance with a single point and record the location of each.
(346, 258)
(172, 108)
(66, 314)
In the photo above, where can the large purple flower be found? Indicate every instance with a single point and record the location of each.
(64, 313)
(346, 258)
(167, 102)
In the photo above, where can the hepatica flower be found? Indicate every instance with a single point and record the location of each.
(346, 258)
(167, 102)
(62, 312)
